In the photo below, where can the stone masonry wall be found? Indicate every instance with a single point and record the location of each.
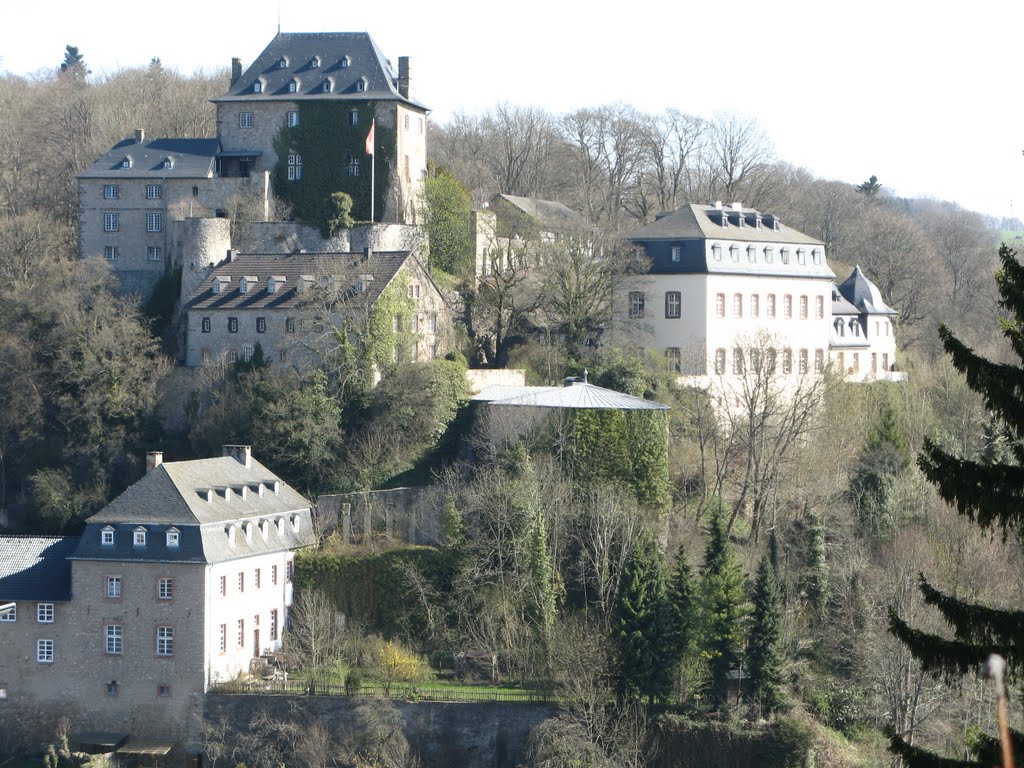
(483, 735)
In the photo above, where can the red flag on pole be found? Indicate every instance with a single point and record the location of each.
(369, 138)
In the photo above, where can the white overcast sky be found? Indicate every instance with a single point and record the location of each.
(925, 95)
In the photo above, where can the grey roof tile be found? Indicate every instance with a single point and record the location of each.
(576, 395)
(864, 294)
(298, 49)
(382, 266)
(36, 567)
(192, 159)
(547, 213)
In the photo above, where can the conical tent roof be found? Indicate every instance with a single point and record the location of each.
(575, 394)
(864, 294)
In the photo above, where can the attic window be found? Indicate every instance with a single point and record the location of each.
(126, 162)
(293, 85)
(815, 256)
(173, 537)
(107, 537)
(801, 256)
(139, 537)
(362, 283)
(769, 254)
(716, 252)
(757, 221)
(328, 85)
(243, 491)
(734, 252)
(207, 495)
(264, 529)
(282, 63)
(257, 87)
(168, 163)
(276, 486)
(785, 255)
(280, 526)
(314, 63)
(361, 84)
(274, 282)
(231, 535)
(247, 527)
(345, 61)
(295, 523)
(751, 253)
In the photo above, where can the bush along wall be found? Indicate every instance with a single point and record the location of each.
(328, 144)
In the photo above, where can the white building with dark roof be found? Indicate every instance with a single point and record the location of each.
(730, 289)
(177, 583)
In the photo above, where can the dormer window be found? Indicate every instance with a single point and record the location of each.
(362, 283)
(725, 219)
(282, 63)
(716, 252)
(231, 535)
(757, 222)
(741, 220)
(264, 528)
(220, 283)
(677, 253)
(840, 327)
(139, 537)
(274, 282)
(801, 256)
(751, 253)
(785, 255)
(815, 256)
(247, 282)
(769, 254)
(314, 63)
(168, 163)
(126, 162)
(293, 85)
(280, 526)
(361, 84)
(107, 537)
(734, 252)
(295, 523)
(173, 537)
(328, 86)
(257, 87)
(305, 281)
(345, 61)
(775, 224)
(247, 527)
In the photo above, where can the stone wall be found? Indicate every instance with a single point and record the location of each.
(482, 735)
(397, 515)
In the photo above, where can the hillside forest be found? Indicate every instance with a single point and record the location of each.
(630, 576)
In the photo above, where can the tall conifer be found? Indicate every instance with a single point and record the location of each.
(989, 492)
(722, 610)
(638, 623)
(764, 649)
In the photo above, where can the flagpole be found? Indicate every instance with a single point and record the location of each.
(373, 169)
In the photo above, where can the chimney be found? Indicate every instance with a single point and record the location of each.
(403, 76)
(140, 136)
(367, 253)
(153, 460)
(240, 453)
(236, 70)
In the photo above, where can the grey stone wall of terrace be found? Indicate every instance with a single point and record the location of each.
(406, 515)
(486, 735)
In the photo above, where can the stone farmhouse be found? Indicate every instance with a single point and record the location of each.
(731, 289)
(290, 305)
(134, 200)
(177, 583)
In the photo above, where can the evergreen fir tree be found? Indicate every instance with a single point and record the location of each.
(540, 604)
(816, 579)
(722, 610)
(638, 623)
(989, 493)
(680, 614)
(764, 648)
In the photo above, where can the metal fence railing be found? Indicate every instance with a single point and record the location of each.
(401, 691)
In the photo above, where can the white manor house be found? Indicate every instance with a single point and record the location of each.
(730, 290)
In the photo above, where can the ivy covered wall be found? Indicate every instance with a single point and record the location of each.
(327, 142)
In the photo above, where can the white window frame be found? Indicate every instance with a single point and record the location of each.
(111, 191)
(114, 587)
(153, 253)
(674, 358)
(154, 222)
(165, 641)
(165, 588)
(111, 252)
(293, 118)
(139, 538)
(637, 305)
(107, 537)
(245, 119)
(113, 639)
(111, 222)
(154, 191)
(173, 538)
(353, 166)
(44, 651)
(248, 350)
(44, 613)
(294, 166)
(673, 305)
(353, 117)
(11, 615)
(232, 325)
(261, 325)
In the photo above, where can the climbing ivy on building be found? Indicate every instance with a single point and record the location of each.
(331, 150)
(389, 334)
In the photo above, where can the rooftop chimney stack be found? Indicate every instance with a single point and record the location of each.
(240, 453)
(153, 460)
(236, 70)
(403, 76)
(140, 136)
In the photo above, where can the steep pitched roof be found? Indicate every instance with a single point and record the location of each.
(864, 294)
(190, 159)
(382, 266)
(201, 499)
(692, 221)
(345, 57)
(548, 214)
(840, 306)
(36, 567)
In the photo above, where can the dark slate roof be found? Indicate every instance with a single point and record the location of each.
(840, 306)
(36, 567)
(298, 49)
(193, 497)
(549, 214)
(381, 265)
(864, 294)
(191, 158)
(693, 221)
